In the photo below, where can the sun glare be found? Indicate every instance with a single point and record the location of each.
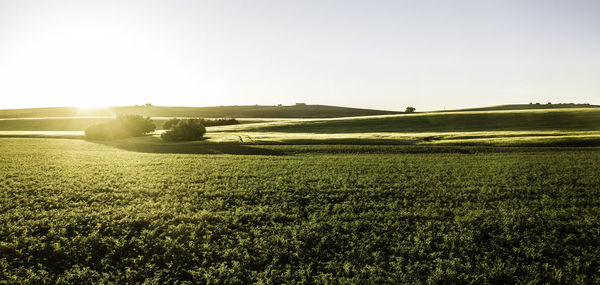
(93, 111)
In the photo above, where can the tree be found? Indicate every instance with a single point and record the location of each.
(410, 110)
(207, 123)
(169, 123)
(185, 130)
(124, 126)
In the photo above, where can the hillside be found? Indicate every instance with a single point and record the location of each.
(295, 111)
(524, 120)
(525, 107)
(585, 119)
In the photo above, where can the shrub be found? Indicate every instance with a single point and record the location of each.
(124, 126)
(207, 123)
(220, 122)
(168, 124)
(184, 130)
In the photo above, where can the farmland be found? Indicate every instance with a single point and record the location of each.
(552, 127)
(299, 142)
(507, 196)
(514, 120)
(76, 211)
(253, 111)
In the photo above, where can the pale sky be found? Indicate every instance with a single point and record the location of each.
(372, 54)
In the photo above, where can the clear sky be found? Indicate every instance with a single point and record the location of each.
(374, 54)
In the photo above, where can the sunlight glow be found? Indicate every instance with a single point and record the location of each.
(90, 111)
(384, 55)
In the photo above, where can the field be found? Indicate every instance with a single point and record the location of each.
(530, 120)
(76, 211)
(527, 107)
(255, 111)
(554, 127)
(460, 197)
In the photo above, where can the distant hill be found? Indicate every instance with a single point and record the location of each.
(525, 107)
(582, 119)
(255, 111)
(565, 119)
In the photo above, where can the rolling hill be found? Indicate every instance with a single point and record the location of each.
(256, 111)
(587, 119)
(559, 119)
(525, 107)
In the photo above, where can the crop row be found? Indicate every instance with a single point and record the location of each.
(73, 211)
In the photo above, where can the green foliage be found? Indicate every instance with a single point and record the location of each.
(219, 122)
(184, 130)
(170, 123)
(73, 211)
(124, 126)
(206, 122)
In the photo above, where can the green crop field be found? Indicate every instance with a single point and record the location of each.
(299, 142)
(73, 211)
(457, 197)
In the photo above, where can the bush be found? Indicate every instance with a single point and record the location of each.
(220, 122)
(410, 109)
(170, 123)
(184, 130)
(124, 126)
(207, 123)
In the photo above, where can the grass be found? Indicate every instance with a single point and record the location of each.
(464, 197)
(494, 121)
(497, 138)
(73, 211)
(526, 107)
(54, 112)
(255, 111)
(72, 123)
(532, 120)
(234, 139)
(62, 124)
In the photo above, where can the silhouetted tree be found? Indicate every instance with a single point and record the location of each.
(410, 110)
(185, 130)
(207, 123)
(171, 122)
(219, 122)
